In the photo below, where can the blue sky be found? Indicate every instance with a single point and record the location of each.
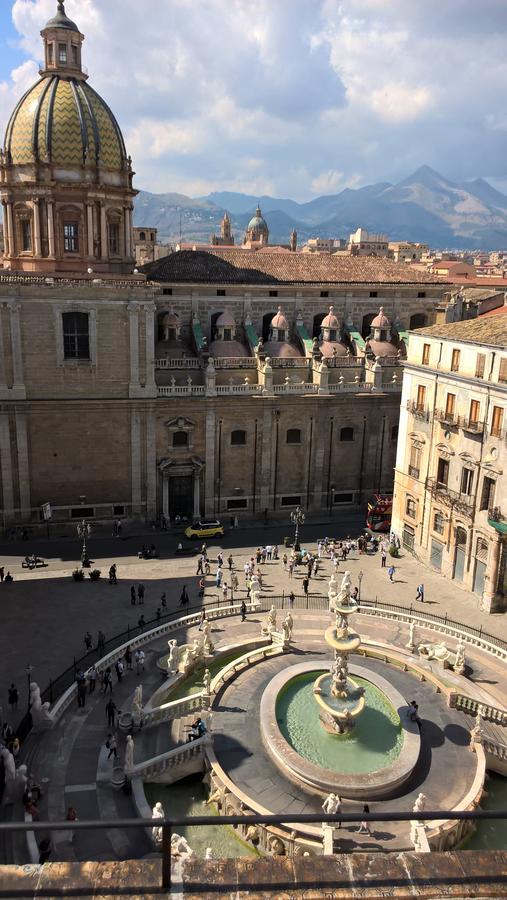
(286, 97)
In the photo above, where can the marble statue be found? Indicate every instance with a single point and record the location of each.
(157, 813)
(209, 853)
(137, 705)
(41, 718)
(20, 781)
(420, 803)
(252, 834)
(459, 662)
(174, 657)
(333, 584)
(331, 804)
(207, 644)
(9, 775)
(269, 624)
(129, 754)
(287, 627)
(411, 643)
(186, 660)
(476, 734)
(206, 682)
(438, 651)
(181, 848)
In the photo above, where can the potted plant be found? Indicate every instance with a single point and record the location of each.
(394, 552)
(78, 574)
(94, 575)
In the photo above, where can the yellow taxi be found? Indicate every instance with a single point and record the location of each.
(204, 530)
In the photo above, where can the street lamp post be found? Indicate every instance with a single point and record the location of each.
(84, 530)
(359, 579)
(28, 670)
(297, 518)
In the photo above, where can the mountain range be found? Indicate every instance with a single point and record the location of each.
(424, 207)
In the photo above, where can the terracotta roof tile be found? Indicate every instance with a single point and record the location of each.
(488, 330)
(228, 266)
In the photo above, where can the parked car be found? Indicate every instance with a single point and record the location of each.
(204, 530)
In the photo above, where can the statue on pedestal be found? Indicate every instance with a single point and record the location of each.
(345, 588)
(206, 682)
(137, 705)
(287, 626)
(129, 754)
(459, 663)
(420, 803)
(173, 658)
(269, 624)
(41, 718)
(411, 645)
(9, 775)
(157, 813)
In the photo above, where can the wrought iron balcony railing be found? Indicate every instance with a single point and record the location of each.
(463, 503)
(470, 425)
(418, 411)
(413, 472)
(446, 417)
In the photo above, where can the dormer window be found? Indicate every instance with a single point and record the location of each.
(62, 53)
(227, 334)
(332, 334)
(75, 58)
(51, 55)
(281, 335)
(26, 235)
(171, 334)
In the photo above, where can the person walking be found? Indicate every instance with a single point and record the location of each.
(391, 570)
(383, 558)
(107, 680)
(243, 610)
(202, 619)
(81, 692)
(225, 591)
(364, 827)
(13, 695)
(230, 562)
(2, 573)
(110, 712)
(112, 574)
(133, 595)
(88, 640)
(71, 817)
(291, 568)
(140, 658)
(200, 564)
(163, 601)
(218, 577)
(305, 585)
(158, 614)
(141, 623)
(112, 746)
(101, 643)
(234, 582)
(184, 598)
(420, 593)
(119, 670)
(291, 599)
(128, 659)
(140, 593)
(92, 680)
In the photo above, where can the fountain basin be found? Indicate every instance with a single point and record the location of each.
(342, 764)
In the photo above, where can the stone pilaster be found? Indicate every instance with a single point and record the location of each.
(135, 460)
(268, 436)
(18, 387)
(6, 469)
(23, 465)
(134, 386)
(209, 487)
(151, 464)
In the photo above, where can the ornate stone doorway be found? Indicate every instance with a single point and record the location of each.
(181, 488)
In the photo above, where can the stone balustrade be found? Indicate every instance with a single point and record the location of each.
(473, 706)
(151, 769)
(239, 388)
(174, 709)
(178, 390)
(185, 363)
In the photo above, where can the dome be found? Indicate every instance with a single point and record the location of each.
(257, 222)
(281, 350)
(328, 348)
(63, 121)
(330, 321)
(381, 321)
(225, 320)
(279, 320)
(220, 348)
(61, 20)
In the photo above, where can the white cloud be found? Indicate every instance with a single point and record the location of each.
(289, 97)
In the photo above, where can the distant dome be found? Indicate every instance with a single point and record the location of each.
(279, 321)
(328, 348)
(331, 320)
(381, 321)
(220, 348)
(66, 123)
(225, 320)
(281, 350)
(257, 222)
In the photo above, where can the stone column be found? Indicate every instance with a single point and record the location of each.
(17, 358)
(134, 386)
(23, 466)
(10, 230)
(36, 227)
(135, 454)
(151, 464)
(3, 381)
(209, 487)
(89, 229)
(6, 467)
(128, 231)
(165, 495)
(7, 237)
(197, 500)
(51, 228)
(268, 435)
(103, 232)
(489, 596)
(150, 347)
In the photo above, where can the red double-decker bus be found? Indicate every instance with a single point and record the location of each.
(378, 517)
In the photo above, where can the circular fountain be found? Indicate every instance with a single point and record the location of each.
(339, 729)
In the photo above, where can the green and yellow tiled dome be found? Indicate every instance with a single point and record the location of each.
(64, 122)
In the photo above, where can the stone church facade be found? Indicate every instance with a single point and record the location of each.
(212, 383)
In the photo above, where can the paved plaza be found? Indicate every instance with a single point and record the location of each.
(46, 614)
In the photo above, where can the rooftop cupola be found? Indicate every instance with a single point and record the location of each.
(62, 46)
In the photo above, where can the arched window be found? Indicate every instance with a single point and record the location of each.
(347, 434)
(76, 335)
(418, 320)
(293, 436)
(410, 507)
(266, 325)
(142, 236)
(238, 438)
(366, 325)
(180, 439)
(317, 321)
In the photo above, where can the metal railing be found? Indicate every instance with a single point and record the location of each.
(464, 503)
(446, 417)
(418, 411)
(471, 425)
(413, 472)
(168, 824)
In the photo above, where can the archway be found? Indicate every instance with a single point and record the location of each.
(317, 322)
(418, 320)
(366, 325)
(266, 325)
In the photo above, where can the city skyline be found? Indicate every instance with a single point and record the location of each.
(293, 101)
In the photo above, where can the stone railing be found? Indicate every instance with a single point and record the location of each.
(239, 389)
(178, 390)
(444, 835)
(152, 768)
(343, 386)
(234, 362)
(495, 749)
(470, 425)
(290, 387)
(184, 363)
(279, 363)
(472, 707)
(174, 709)
(242, 662)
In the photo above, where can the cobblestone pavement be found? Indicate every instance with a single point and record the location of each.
(45, 614)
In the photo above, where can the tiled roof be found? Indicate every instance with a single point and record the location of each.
(498, 311)
(228, 266)
(490, 330)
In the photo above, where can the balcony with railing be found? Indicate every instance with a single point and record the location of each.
(418, 411)
(497, 519)
(446, 417)
(462, 503)
(470, 425)
(413, 472)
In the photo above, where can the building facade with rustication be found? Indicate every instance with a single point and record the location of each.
(228, 381)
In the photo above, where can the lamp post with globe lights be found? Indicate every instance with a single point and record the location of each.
(28, 670)
(84, 530)
(297, 518)
(359, 579)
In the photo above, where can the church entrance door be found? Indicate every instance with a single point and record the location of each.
(181, 496)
